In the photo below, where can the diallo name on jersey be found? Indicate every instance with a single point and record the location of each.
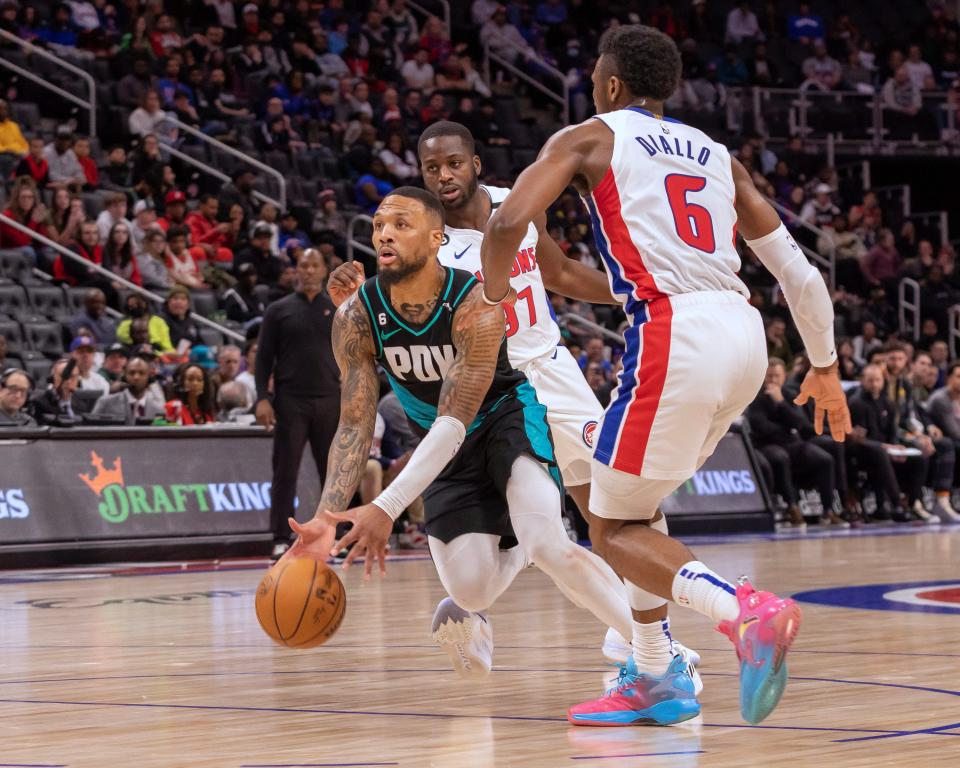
(673, 146)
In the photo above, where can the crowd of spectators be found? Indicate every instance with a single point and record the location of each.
(336, 94)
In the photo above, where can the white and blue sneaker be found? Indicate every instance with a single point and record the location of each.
(618, 650)
(466, 637)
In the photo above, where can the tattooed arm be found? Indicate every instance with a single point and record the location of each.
(477, 333)
(360, 387)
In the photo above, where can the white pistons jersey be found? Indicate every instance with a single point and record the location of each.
(663, 215)
(531, 328)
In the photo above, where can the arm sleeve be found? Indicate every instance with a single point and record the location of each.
(805, 291)
(433, 454)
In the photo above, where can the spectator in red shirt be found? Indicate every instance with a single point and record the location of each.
(34, 164)
(207, 233)
(88, 246)
(28, 210)
(81, 148)
(175, 210)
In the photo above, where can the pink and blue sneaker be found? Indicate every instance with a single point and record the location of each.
(641, 699)
(762, 634)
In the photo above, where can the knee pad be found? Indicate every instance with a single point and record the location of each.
(641, 600)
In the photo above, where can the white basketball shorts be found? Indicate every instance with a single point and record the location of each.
(573, 411)
(688, 371)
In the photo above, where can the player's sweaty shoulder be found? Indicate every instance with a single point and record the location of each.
(591, 142)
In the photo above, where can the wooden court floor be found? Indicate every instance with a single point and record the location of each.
(167, 668)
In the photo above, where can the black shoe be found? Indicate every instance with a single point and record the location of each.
(904, 516)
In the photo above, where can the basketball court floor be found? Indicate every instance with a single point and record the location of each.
(165, 667)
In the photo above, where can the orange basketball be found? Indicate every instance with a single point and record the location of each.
(300, 603)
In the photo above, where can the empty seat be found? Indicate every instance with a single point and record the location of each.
(13, 301)
(10, 330)
(44, 336)
(39, 368)
(211, 337)
(204, 302)
(15, 265)
(75, 298)
(49, 301)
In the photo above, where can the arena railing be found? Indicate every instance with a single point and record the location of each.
(426, 12)
(353, 244)
(908, 313)
(953, 330)
(112, 276)
(562, 97)
(566, 318)
(281, 203)
(90, 103)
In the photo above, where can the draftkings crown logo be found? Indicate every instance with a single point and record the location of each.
(104, 477)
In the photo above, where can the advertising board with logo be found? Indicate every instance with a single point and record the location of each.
(134, 487)
(727, 485)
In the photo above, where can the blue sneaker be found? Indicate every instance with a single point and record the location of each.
(641, 699)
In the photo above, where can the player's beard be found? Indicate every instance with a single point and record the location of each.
(401, 269)
(467, 195)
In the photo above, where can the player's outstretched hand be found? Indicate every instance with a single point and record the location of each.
(823, 385)
(314, 539)
(369, 536)
(345, 281)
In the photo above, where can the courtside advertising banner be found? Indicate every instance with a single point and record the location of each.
(134, 487)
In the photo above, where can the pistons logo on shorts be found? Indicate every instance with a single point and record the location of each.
(588, 429)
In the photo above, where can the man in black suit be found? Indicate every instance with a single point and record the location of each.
(874, 435)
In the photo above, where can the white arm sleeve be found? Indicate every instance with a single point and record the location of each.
(805, 291)
(428, 460)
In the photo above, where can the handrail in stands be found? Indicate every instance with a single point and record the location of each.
(829, 262)
(352, 242)
(953, 330)
(428, 13)
(563, 98)
(911, 305)
(112, 276)
(570, 317)
(90, 104)
(281, 203)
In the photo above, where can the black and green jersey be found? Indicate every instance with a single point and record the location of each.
(416, 358)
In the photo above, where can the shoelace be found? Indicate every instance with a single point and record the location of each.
(624, 678)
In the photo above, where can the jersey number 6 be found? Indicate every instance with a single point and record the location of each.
(693, 222)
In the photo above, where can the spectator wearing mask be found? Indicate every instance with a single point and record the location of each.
(184, 331)
(95, 319)
(195, 391)
(157, 330)
(135, 403)
(15, 388)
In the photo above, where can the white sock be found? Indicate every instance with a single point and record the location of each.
(696, 586)
(652, 647)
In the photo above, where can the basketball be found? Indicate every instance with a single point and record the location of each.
(300, 603)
